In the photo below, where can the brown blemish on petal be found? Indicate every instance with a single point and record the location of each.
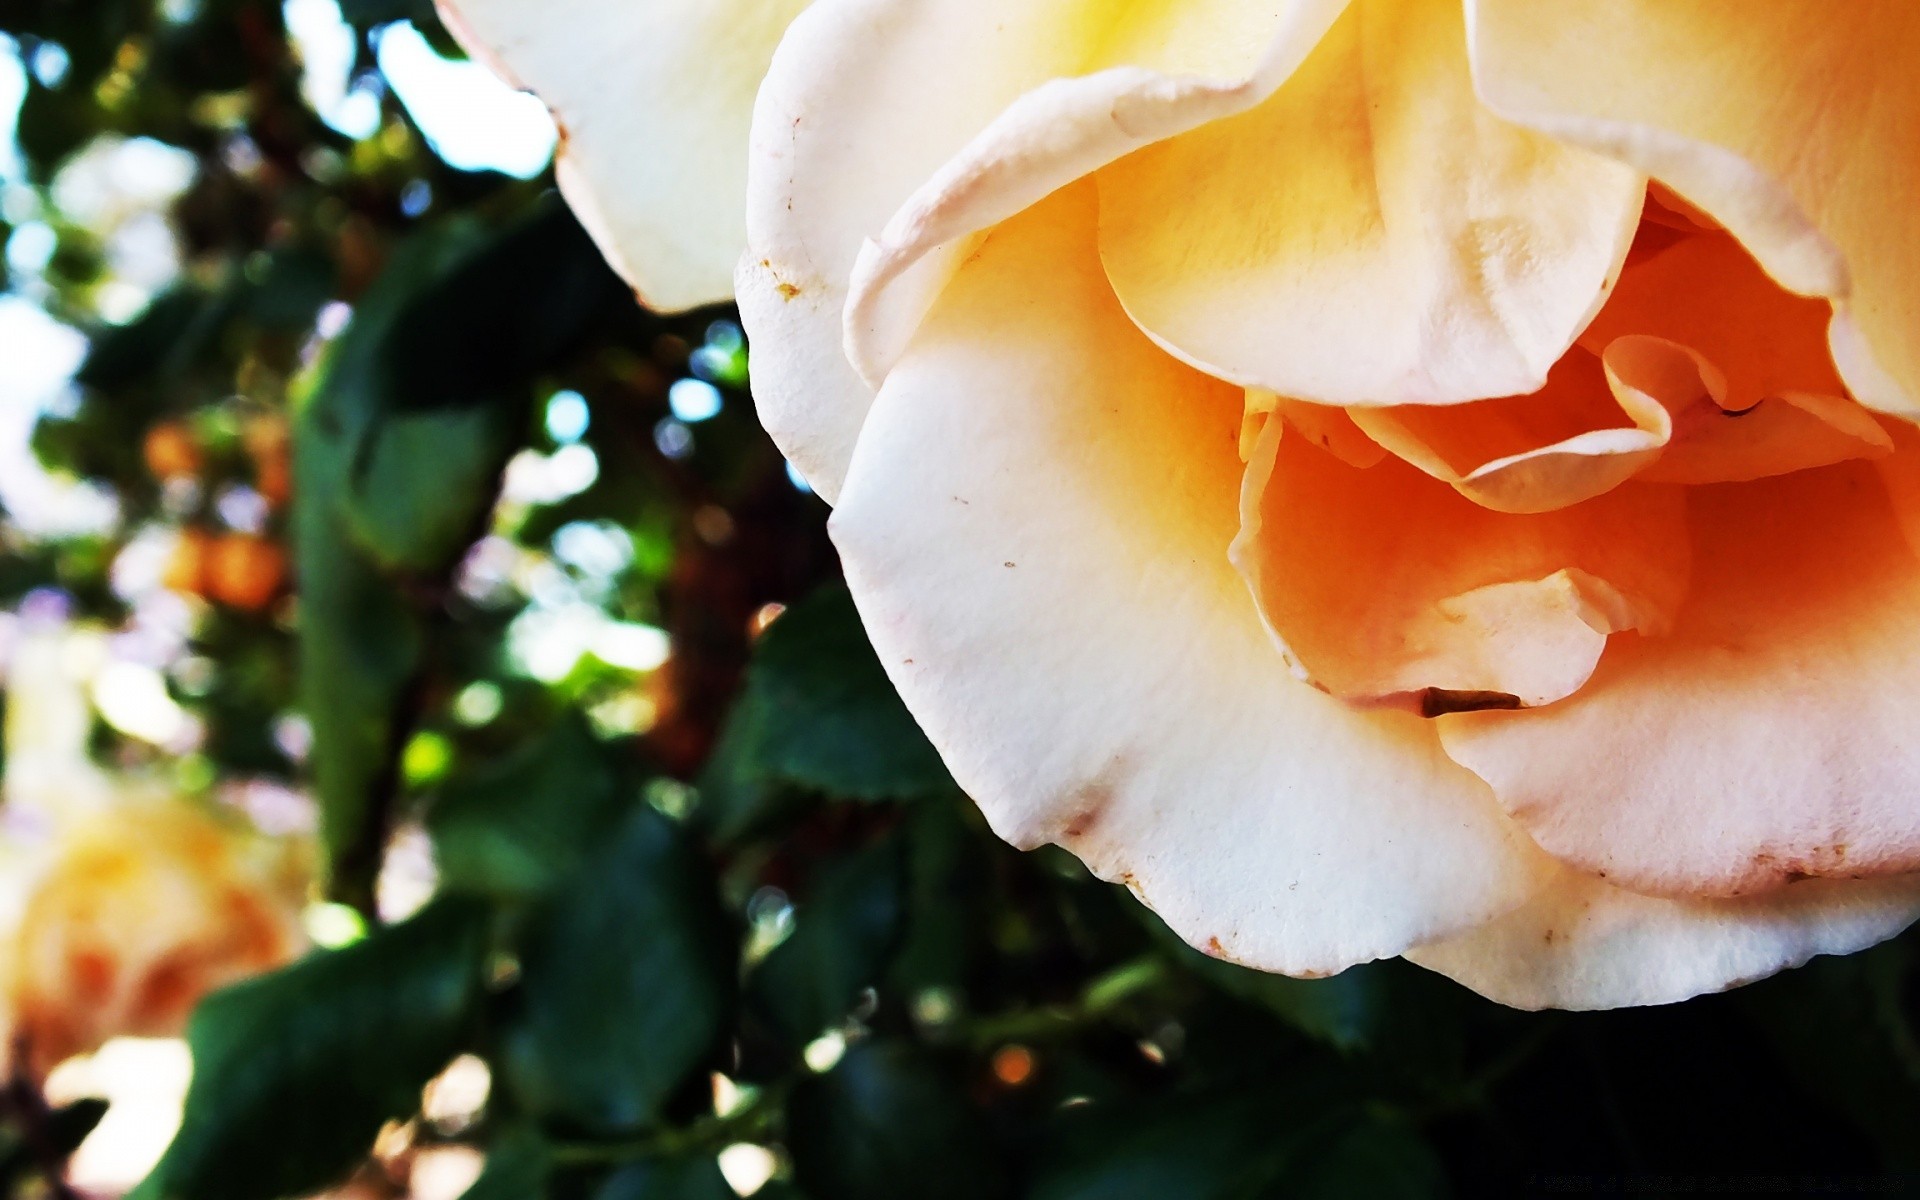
(1093, 807)
(1822, 862)
(1214, 948)
(788, 291)
(1437, 702)
(1086, 806)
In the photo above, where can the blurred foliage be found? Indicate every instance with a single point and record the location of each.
(726, 897)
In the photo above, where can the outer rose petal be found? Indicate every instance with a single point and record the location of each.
(1185, 64)
(653, 98)
(1370, 234)
(1768, 737)
(1794, 123)
(1583, 944)
(845, 128)
(864, 101)
(1035, 529)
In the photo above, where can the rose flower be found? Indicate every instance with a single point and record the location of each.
(121, 903)
(1381, 477)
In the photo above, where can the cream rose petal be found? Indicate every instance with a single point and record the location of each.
(1583, 944)
(1793, 123)
(1169, 67)
(1769, 736)
(863, 103)
(845, 128)
(653, 99)
(1035, 528)
(1370, 234)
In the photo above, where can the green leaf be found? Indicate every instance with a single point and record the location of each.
(518, 827)
(888, 1122)
(627, 983)
(1840, 1023)
(401, 430)
(1390, 1007)
(422, 486)
(844, 930)
(1347, 1011)
(361, 640)
(945, 933)
(519, 1166)
(1372, 1157)
(155, 346)
(1196, 1147)
(693, 1177)
(1228, 1143)
(294, 1072)
(819, 713)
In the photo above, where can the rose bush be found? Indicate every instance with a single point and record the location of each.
(1380, 477)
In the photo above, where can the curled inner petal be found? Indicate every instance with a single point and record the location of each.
(1705, 292)
(1571, 441)
(1770, 735)
(1384, 585)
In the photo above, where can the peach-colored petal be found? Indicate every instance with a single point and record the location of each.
(1580, 436)
(1768, 737)
(1794, 123)
(1035, 530)
(1708, 294)
(1584, 944)
(1369, 234)
(1326, 426)
(654, 99)
(1386, 585)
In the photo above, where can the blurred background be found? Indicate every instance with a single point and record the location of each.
(439, 761)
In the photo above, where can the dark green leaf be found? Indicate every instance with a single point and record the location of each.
(888, 1122)
(1388, 1007)
(520, 826)
(627, 983)
(943, 934)
(295, 1071)
(1841, 1026)
(360, 638)
(819, 713)
(845, 928)
(401, 431)
(1231, 1143)
(156, 344)
(694, 1177)
(519, 1165)
(1375, 1158)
